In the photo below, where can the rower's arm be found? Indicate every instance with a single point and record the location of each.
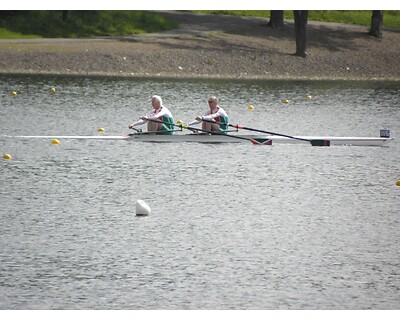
(206, 116)
(138, 123)
(194, 122)
(212, 116)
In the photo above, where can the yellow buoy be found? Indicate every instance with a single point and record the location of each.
(179, 122)
(14, 93)
(7, 156)
(55, 141)
(309, 97)
(398, 183)
(52, 90)
(101, 130)
(286, 101)
(250, 107)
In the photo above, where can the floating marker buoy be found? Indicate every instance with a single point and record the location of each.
(286, 101)
(250, 107)
(14, 93)
(179, 122)
(309, 97)
(398, 183)
(52, 90)
(101, 130)
(7, 156)
(55, 141)
(142, 208)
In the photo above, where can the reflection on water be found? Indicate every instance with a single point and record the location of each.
(232, 226)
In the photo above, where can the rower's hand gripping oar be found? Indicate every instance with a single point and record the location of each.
(180, 124)
(314, 142)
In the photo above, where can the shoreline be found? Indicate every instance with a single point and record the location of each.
(213, 47)
(194, 77)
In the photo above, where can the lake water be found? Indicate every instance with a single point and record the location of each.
(233, 226)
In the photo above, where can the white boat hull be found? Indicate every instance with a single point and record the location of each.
(206, 138)
(354, 141)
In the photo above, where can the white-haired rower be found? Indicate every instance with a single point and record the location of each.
(164, 122)
(215, 113)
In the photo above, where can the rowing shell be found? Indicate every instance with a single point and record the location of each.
(207, 138)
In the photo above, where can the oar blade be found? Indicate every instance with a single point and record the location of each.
(320, 143)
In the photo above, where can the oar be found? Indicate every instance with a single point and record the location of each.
(314, 142)
(180, 125)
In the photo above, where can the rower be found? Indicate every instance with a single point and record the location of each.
(165, 121)
(215, 113)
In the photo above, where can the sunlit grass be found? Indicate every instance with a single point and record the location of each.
(391, 18)
(49, 24)
(7, 34)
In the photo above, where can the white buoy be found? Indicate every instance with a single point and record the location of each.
(142, 208)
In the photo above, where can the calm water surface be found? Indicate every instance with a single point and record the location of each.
(232, 226)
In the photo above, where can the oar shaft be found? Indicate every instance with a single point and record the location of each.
(238, 126)
(267, 132)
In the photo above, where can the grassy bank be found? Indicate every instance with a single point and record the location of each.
(75, 24)
(78, 24)
(391, 18)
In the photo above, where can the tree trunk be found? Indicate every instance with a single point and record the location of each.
(300, 27)
(275, 19)
(376, 24)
